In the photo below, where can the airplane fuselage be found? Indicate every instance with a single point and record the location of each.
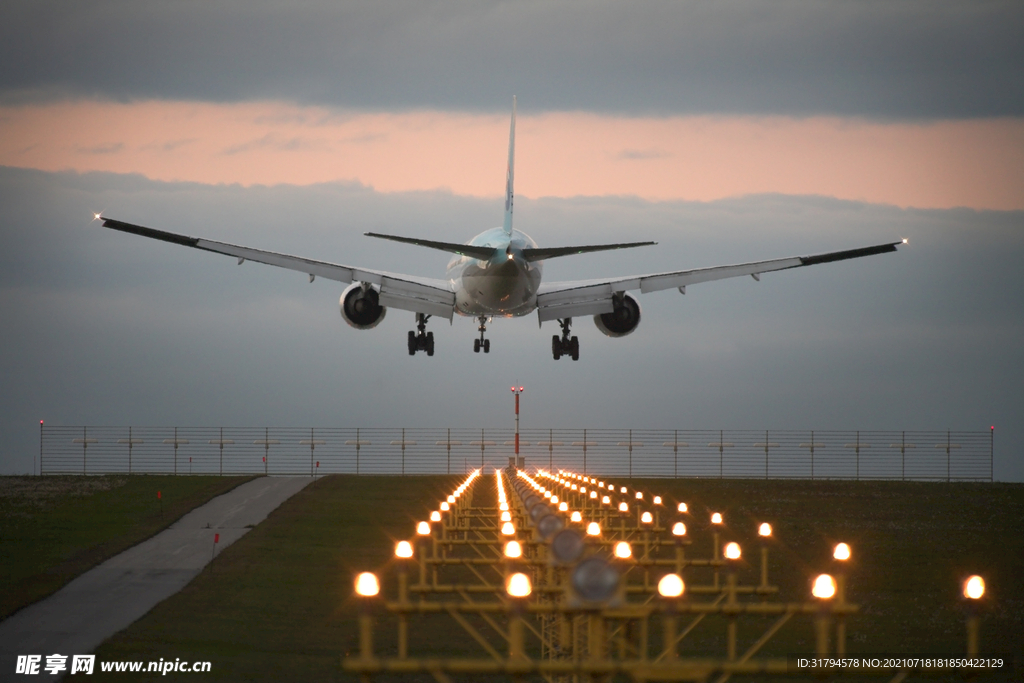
(504, 285)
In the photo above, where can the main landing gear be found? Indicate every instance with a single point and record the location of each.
(421, 340)
(566, 345)
(482, 343)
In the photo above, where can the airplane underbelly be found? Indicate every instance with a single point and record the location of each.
(500, 294)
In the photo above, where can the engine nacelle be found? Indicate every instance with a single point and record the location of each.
(361, 307)
(622, 320)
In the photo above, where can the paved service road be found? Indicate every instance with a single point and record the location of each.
(109, 597)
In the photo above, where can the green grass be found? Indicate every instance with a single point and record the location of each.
(54, 528)
(277, 604)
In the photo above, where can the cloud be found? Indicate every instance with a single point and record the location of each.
(917, 59)
(107, 148)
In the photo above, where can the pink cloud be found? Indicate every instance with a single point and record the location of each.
(974, 163)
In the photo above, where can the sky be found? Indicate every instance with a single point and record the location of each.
(725, 131)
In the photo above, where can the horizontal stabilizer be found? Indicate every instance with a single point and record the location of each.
(482, 253)
(552, 252)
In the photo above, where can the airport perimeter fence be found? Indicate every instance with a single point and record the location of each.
(771, 454)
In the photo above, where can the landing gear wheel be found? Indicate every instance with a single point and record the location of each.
(574, 348)
(476, 346)
(556, 347)
(412, 343)
(430, 343)
(487, 345)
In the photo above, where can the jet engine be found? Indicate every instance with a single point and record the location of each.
(360, 306)
(622, 320)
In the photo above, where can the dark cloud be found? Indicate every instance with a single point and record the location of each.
(911, 59)
(106, 328)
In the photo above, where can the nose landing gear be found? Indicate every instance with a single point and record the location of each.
(421, 340)
(565, 345)
(482, 343)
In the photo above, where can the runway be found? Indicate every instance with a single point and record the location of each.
(109, 597)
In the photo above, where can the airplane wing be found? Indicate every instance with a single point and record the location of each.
(405, 292)
(593, 297)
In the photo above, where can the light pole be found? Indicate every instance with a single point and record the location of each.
(517, 392)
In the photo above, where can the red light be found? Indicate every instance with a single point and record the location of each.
(512, 388)
(40, 422)
(520, 388)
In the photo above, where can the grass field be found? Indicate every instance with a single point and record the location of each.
(54, 528)
(277, 604)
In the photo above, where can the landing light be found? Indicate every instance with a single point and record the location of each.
(824, 587)
(974, 588)
(367, 585)
(671, 586)
(518, 585)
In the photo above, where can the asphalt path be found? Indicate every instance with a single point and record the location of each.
(109, 597)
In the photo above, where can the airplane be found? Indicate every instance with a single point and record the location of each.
(496, 273)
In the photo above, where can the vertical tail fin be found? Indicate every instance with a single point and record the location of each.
(510, 171)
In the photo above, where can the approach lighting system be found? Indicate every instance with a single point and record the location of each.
(841, 552)
(639, 495)
(824, 587)
(678, 529)
(646, 518)
(506, 516)
(623, 551)
(974, 588)
(623, 507)
(513, 549)
(657, 500)
(765, 530)
(563, 507)
(507, 529)
(682, 508)
(671, 586)
(423, 529)
(716, 518)
(518, 585)
(576, 516)
(445, 507)
(435, 516)
(367, 585)
(593, 529)
(732, 551)
(404, 549)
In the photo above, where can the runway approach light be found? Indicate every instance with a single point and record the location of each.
(423, 529)
(639, 495)
(513, 549)
(646, 518)
(518, 585)
(503, 507)
(623, 551)
(451, 500)
(507, 529)
(576, 516)
(403, 549)
(716, 518)
(764, 530)
(732, 551)
(678, 529)
(506, 516)
(367, 585)
(657, 500)
(593, 529)
(445, 507)
(824, 587)
(622, 490)
(435, 516)
(593, 494)
(623, 507)
(671, 586)
(682, 508)
(606, 500)
(842, 552)
(974, 588)
(563, 507)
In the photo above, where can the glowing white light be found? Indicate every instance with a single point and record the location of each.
(507, 529)
(842, 552)
(622, 490)
(639, 495)
(435, 516)
(623, 551)
(423, 529)
(623, 507)
(445, 507)
(513, 549)
(576, 516)
(974, 588)
(593, 494)
(506, 516)
(678, 529)
(367, 585)
(657, 500)
(451, 500)
(671, 586)
(716, 518)
(765, 529)
(682, 507)
(518, 585)
(732, 551)
(563, 507)
(824, 587)
(646, 518)
(403, 549)
(593, 529)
